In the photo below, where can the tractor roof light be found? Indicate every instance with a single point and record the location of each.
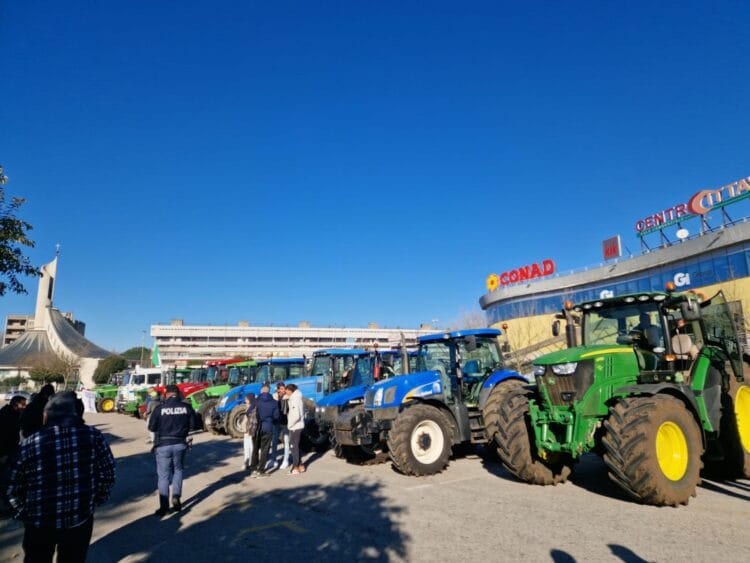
(659, 297)
(670, 287)
(670, 357)
(598, 304)
(504, 326)
(643, 298)
(629, 299)
(568, 305)
(587, 306)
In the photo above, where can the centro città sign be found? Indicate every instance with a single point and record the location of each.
(699, 204)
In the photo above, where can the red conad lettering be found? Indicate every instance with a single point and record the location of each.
(523, 273)
(504, 278)
(548, 267)
(513, 276)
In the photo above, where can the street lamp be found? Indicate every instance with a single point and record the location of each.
(143, 344)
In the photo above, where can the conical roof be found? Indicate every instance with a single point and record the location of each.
(31, 348)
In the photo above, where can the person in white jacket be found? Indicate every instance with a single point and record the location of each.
(295, 423)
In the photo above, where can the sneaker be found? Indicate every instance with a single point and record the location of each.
(245, 465)
(161, 513)
(294, 471)
(269, 465)
(284, 465)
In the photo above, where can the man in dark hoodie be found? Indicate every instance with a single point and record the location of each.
(32, 419)
(268, 415)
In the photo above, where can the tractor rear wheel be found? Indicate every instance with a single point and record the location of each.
(734, 432)
(106, 404)
(420, 440)
(491, 412)
(653, 449)
(236, 421)
(205, 411)
(515, 443)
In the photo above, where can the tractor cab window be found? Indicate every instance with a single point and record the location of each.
(720, 329)
(234, 376)
(479, 357)
(363, 371)
(126, 379)
(153, 378)
(138, 379)
(211, 374)
(295, 371)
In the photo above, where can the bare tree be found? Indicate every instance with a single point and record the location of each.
(55, 370)
(469, 318)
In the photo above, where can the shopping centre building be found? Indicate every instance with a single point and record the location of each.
(716, 256)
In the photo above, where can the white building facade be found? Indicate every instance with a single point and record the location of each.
(180, 344)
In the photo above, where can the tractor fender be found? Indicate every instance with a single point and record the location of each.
(679, 391)
(493, 380)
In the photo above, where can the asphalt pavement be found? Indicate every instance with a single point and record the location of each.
(473, 511)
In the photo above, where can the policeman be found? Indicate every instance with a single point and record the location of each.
(170, 422)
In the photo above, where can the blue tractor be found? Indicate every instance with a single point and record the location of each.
(227, 415)
(366, 370)
(452, 399)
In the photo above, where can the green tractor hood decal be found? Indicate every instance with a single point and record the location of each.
(581, 353)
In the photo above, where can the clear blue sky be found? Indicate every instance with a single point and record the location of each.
(346, 162)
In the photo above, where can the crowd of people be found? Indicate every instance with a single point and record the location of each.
(53, 480)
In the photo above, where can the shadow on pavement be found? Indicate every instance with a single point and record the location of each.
(625, 554)
(737, 490)
(350, 520)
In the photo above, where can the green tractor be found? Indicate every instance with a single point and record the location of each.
(106, 394)
(654, 382)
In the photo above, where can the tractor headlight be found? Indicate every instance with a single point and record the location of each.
(539, 370)
(378, 400)
(565, 369)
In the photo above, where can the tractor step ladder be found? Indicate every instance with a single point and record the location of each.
(476, 427)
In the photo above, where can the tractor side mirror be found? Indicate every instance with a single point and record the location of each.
(690, 310)
(470, 342)
(556, 328)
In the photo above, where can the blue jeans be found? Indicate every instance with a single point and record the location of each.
(169, 461)
(283, 431)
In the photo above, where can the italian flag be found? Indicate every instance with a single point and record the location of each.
(155, 359)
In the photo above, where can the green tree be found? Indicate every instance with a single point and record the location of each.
(137, 353)
(55, 370)
(13, 236)
(107, 367)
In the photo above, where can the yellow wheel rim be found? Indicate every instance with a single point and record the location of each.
(108, 405)
(671, 451)
(742, 412)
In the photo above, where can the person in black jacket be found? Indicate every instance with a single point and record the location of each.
(32, 419)
(171, 422)
(10, 437)
(268, 415)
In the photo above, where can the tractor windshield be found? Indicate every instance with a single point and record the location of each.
(436, 356)
(363, 373)
(336, 371)
(621, 322)
(234, 376)
(279, 372)
(211, 374)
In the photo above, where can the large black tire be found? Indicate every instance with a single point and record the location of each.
(105, 404)
(491, 411)
(734, 432)
(235, 426)
(653, 449)
(205, 411)
(420, 440)
(514, 439)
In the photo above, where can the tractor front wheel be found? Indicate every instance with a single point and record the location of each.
(515, 443)
(653, 449)
(420, 440)
(236, 421)
(106, 404)
(205, 411)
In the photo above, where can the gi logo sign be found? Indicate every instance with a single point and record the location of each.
(681, 279)
(606, 294)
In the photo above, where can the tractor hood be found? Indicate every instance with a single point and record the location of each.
(343, 396)
(581, 353)
(394, 391)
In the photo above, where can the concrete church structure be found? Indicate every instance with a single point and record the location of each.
(50, 339)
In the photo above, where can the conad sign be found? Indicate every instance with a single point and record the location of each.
(530, 272)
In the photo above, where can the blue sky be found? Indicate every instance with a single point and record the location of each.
(346, 162)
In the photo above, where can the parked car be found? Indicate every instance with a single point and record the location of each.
(10, 394)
